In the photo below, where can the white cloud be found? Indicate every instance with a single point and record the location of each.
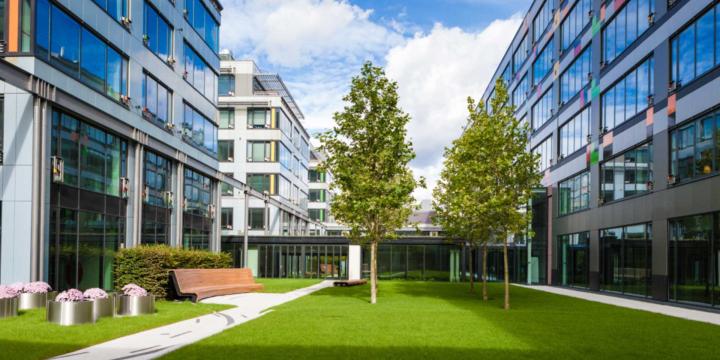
(436, 72)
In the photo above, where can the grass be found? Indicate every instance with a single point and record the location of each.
(285, 285)
(30, 336)
(415, 320)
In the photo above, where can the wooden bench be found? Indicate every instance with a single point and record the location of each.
(200, 284)
(350, 282)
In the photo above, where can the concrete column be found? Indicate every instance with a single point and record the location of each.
(216, 232)
(135, 195)
(354, 263)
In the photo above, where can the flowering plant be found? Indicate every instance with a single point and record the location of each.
(95, 293)
(8, 292)
(37, 287)
(72, 295)
(18, 287)
(134, 290)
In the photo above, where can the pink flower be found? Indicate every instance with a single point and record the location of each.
(8, 292)
(18, 286)
(95, 293)
(37, 287)
(72, 295)
(134, 290)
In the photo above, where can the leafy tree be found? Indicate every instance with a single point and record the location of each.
(368, 155)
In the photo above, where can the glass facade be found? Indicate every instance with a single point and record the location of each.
(543, 63)
(158, 33)
(225, 189)
(625, 27)
(574, 259)
(695, 148)
(199, 74)
(575, 22)
(430, 262)
(316, 176)
(520, 54)
(543, 109)
(285, 156)
(226, 87)
(520, 93)
(317, 214)
(626, 259)
(628, 174)
(157, 100)
(117, 9)
(577, 75)
(199, 131)
(200, 18)
(574, 133)
(574, 194)
(262, 182)
(542, 19)
(629, 96)
(317, 195)
(157, 204)
(544, 149)
(696, 50)
(256, 219)
(227, 118)
(694, 257)
(77, 51)
(197, 220)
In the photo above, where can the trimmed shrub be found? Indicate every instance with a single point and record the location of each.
(149, 266)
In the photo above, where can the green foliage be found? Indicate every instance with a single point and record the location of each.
(368, 155)
(149, 266)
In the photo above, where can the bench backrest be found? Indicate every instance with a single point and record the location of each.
(193, 278)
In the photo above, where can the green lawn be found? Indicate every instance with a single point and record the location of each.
(30, 336)
(414, 320)
(285, 285)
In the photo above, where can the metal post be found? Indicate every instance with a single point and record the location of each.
(246, 219)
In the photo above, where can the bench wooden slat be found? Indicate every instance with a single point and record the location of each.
(200, 284)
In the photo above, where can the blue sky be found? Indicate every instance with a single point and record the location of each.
(439, 51)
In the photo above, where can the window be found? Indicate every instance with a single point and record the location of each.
(305, 148)
(78, 52)
(2, 19)
(285, 156)
(227, 85)
(625, 259)
(574, 193)
(259, 151)
(227, 118)
(262, 182)
(507, 75)
(695, 148)
(158, 33)
(225, 189)
(197, 193)
(256, 218)
(693, 257)
(285, 123)
(521, 54)
(694, 51)
(258, 118)
(199, 131)
(316, 176)
(576, 76)
(200, 18)
(2, 123)
(284, 187)
(157, 100)
(542, 111)
(625, 27)
(575, 22)
(316, 214)
(574, 133)
(629, 96)
(157, 208)
(628, 174)
(574, 259)
(545, 152)
(226, 218)
(199, 74)
(117, 9)
(304, 173)
(226, 150)
(296, 137)
(520, 92)
(543, 63)
(317, 195)
(542, 19)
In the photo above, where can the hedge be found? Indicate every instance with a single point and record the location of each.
(149, 266)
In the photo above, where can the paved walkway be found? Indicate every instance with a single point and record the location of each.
(156, 342)
(674, 311)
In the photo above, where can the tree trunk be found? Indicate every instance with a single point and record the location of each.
(472, 275)
(373, 272)
(484, 273)
(507, 274)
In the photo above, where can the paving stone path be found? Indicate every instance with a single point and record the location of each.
(156, 342)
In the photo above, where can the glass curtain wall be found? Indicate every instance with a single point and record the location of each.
(197, 220)
(628, 174)
(574, 259)
(694, 148)
(626, 259)
(157, 206)
(297, 261)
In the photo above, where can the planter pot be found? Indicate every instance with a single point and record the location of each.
(27, 301)
(135, 305)
(104, 307)
(70, 313)
(8, 307)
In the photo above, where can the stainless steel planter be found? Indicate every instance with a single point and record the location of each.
(104, 307)
(8, 307)
(135, 305)
(70, 313)
(27, 301)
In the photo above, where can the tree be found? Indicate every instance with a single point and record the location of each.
(368, 155)
(461, 191)
(514, 170)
